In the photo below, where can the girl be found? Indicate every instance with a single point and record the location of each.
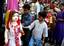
(59, 33)
(13, 31)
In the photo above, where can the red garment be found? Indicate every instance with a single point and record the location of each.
(16, 32)
(48, 17)
(18, 21)
(16, 37)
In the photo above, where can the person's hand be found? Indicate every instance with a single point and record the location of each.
(43, 43)
(6, 41)
(25, 26)
(20, 35)
(23, 33)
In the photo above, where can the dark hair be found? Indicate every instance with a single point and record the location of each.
(62, 4)
(9, 19)
(43, 14)
(45, 8)
(26, 6)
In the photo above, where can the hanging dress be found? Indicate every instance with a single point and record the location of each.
(12, 5)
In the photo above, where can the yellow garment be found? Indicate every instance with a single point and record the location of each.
(7, 16)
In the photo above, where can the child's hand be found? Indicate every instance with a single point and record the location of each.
(20, 35)
(23, 33)
(25, 27)
(6, 41)
(43, 43)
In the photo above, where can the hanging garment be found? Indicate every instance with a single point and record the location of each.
(12, 5)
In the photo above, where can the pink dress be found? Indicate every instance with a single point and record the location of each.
(12, 5)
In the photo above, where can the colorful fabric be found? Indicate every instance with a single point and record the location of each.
(47, 19)
(13, 36)
(7, 17)
(16, 36)
(12, 5)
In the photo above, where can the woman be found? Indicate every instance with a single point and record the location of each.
(59, 33)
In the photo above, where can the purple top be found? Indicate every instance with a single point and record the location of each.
(60, 15)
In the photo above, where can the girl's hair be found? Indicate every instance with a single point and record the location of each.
(26, 6)
(9, 19)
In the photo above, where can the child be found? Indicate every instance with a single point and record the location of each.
(40, 28)
(26, 20)
(13, 31)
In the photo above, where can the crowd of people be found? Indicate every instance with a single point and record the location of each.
(34, 23)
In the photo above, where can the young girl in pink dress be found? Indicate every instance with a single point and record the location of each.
(13, 31)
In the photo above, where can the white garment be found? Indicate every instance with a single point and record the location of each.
(11, 35)
(37, 7)
(57, 9)
(39, 29)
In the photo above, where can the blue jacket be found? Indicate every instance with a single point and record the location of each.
(26, 19)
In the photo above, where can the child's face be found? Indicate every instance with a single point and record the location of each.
(40, 18)
(26, 11)
(15, 17)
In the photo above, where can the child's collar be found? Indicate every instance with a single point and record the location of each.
(41, 21)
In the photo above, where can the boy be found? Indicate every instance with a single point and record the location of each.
(40, 28)
(26, 21)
